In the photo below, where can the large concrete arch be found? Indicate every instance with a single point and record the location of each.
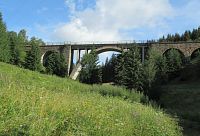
(182, 53)
(46, 54)
(192, 48)
(187, 48)
(193, 55)
(164, 48)
(75, 73)
(109, 48)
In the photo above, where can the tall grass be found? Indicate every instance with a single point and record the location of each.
(35, 104)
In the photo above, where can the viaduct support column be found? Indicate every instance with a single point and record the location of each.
(78, 56)
(86, 51)
(67, 52)
(143, 54)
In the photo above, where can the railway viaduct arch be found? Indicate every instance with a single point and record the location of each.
(74, 49)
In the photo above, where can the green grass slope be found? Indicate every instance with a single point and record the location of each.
(181, 97)
(183, 100)
(36, 104)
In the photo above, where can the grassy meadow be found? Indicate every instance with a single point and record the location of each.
(42, 105)
(181, 97)
(183, 100)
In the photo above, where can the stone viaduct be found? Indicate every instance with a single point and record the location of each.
(70, 50)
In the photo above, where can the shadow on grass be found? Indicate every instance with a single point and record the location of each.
(183, 100)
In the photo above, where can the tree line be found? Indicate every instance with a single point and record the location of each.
(187, 36)
(12, 50)
(127, 69)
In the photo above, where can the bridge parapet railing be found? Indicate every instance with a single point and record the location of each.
(109, 42)
(96, 42)
(116, 42)
(57, 43)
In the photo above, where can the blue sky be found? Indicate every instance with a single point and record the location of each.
(100, 20)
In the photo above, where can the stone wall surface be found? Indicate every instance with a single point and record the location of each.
(186, 48)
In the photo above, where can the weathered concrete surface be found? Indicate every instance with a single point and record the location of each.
(187, 49)
(76, 71)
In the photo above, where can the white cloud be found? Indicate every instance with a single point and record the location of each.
(76, 31)
(108, 18)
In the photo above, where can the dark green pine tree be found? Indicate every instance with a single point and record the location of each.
(33, 60)
(120, 69)
(105, 71)
(130, 70)
(177, 37)
(174, 61)
(17, 50)
(113, 63)
(150, 69)
(50, 63)
(133, 76)
(55, 64)
(22, 41)
(169, 38)
(194, 35)
(186, 36)
(14, 56)
(4, 48)
(62, 66)
(172, 38)
(162, 39)
(91, 72)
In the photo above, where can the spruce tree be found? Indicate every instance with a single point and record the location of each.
(162, 69)
(50, 63)
(33, 60)
(105, 71)
(130, 70)
(17, 48)
(169, 38)
(150, 69)
(55, 64)
(172, 38)
(113, 63)
(186, 36)
(63, 66)
(174, 61)
(4, 48)
(91, 72)
(120, 69)
(133, 76)
(22, 41)
(194, 35)
(14, 56)
(177, 37)
(108, 69)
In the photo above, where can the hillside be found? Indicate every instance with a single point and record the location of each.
(181, 98)
(36, 104)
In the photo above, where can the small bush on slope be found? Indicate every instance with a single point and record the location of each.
(35, 104)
